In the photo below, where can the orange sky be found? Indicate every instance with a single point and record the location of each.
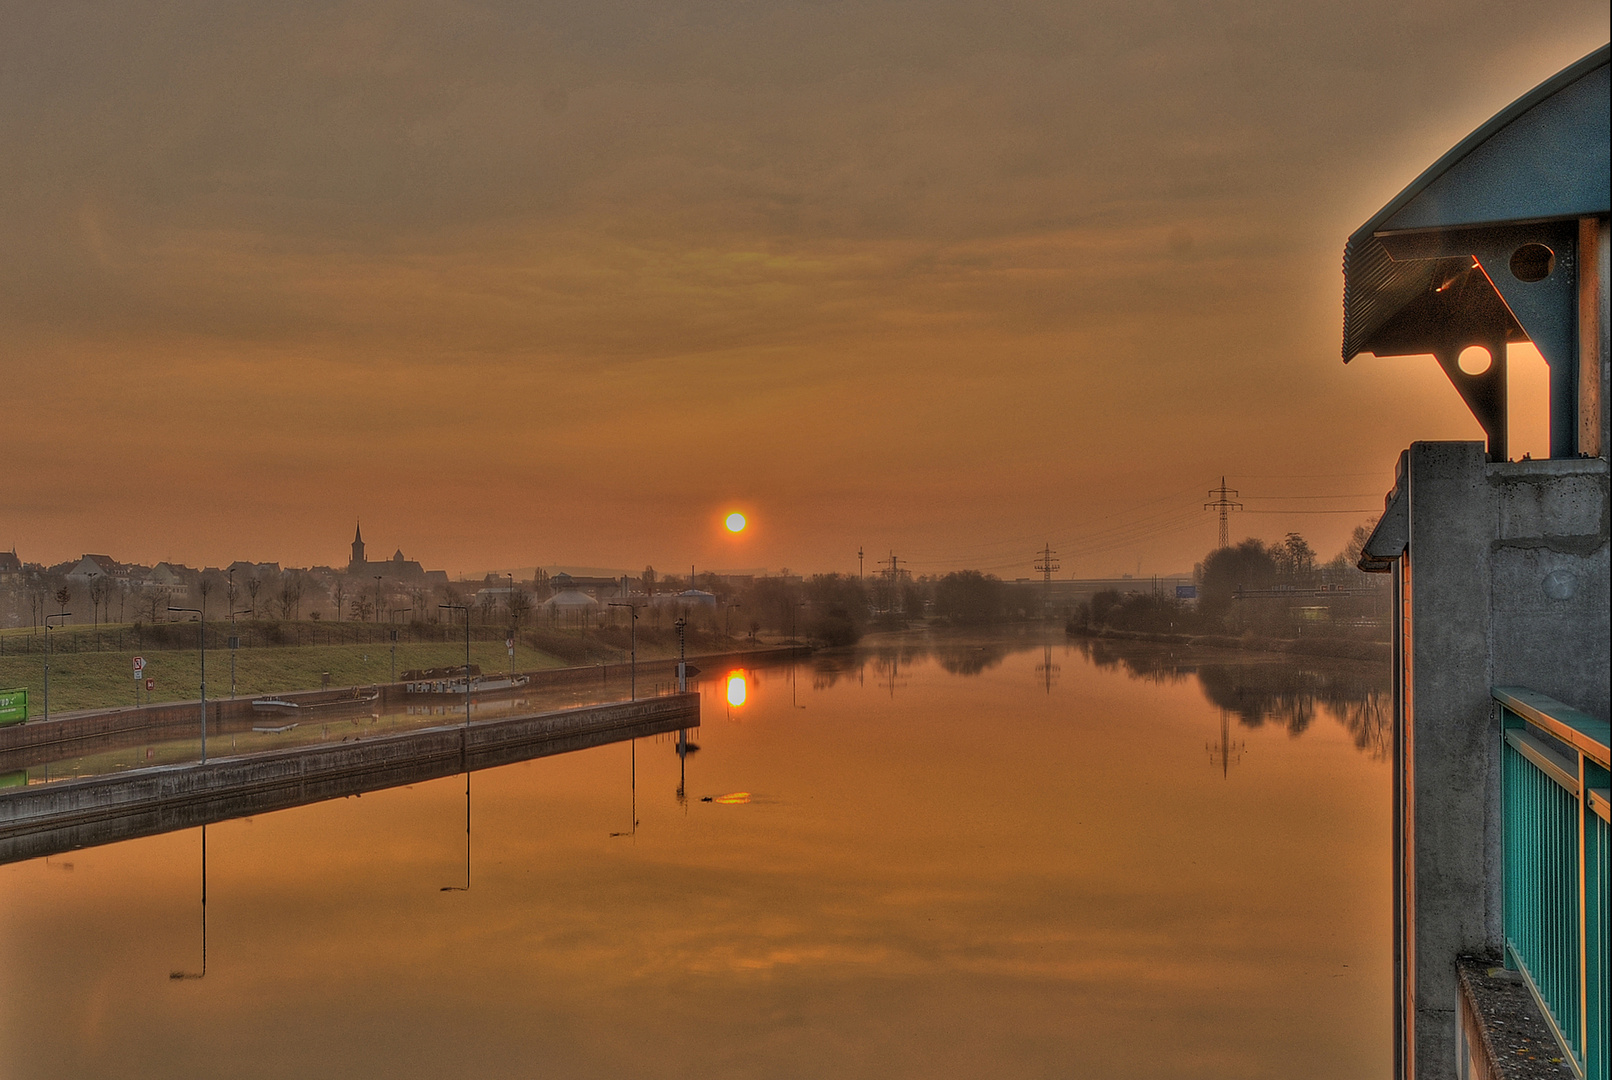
(561, 283)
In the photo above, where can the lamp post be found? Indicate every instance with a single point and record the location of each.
(793, 647)
(464, 743)
(466, 886)
(202, 974)
(202, 616)
(682, 660)
(395, 612)
(234, 641)
(632, 637)
(58, 615)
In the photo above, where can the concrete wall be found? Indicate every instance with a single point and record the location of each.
(1509, 585)
(47, 818)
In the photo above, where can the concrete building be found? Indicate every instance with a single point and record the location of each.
(1501, 584)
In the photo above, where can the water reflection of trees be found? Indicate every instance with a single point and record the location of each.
(1289, 694)
(890, 660)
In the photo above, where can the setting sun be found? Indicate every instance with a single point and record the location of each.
(736, 523)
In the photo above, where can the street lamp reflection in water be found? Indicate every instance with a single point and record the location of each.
(202, 974)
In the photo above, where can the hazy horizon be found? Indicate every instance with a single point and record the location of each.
(557, 284)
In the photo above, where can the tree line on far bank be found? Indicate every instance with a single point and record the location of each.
(1273, 590)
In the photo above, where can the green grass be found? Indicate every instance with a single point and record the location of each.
(105, 679)
(87, 672)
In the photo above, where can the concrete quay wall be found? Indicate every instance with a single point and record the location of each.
(48, 818)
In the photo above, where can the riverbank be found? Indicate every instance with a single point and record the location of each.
(1337, 648)
(43, 819)
(38, 740)
(93, 669)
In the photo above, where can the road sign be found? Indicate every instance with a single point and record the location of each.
(139, 667)
(151, 684)
(14, 705)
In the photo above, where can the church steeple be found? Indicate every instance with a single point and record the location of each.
(358, 546)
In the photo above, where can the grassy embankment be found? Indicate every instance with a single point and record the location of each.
(87, 674)
(94, 680)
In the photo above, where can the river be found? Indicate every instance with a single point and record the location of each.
(954, 856)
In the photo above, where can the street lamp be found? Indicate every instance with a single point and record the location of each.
(395, 612)
(632, 635)
(465, 741)
(203, 617)
(234, 641)
(58, 615)
(466, 886)
(682, 660)
(794, 646)
(202, 974)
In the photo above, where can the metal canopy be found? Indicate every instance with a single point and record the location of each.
(1481, 249)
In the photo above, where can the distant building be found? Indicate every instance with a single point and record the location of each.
(397, 567)
(593, 587)
(167, 576)
(90, 567)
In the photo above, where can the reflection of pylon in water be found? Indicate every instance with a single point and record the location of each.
(1047, 669)
(893, 669)
(1228, 752)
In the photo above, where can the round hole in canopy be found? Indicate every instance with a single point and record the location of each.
(1474, 360)
(1532, 262)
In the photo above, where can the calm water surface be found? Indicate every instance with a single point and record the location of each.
(935, 858)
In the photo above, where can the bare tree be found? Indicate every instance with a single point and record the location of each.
(520, 606)
(152, 600)
(254, 585)
(649, 580)
(63, 595)
(291, 596)
(100, 593)
(339, 594)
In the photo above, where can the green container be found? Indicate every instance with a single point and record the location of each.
(13, 706)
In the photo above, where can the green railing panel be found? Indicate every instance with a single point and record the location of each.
(1595, 900)
(1554, 771)
(1541, 885)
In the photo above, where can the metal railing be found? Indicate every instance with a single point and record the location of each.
(1554, 791)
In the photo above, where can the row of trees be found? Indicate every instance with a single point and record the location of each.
(1275, 589)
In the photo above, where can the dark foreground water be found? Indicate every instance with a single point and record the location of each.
(961, 858)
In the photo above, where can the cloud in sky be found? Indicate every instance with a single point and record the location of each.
(522, 283)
